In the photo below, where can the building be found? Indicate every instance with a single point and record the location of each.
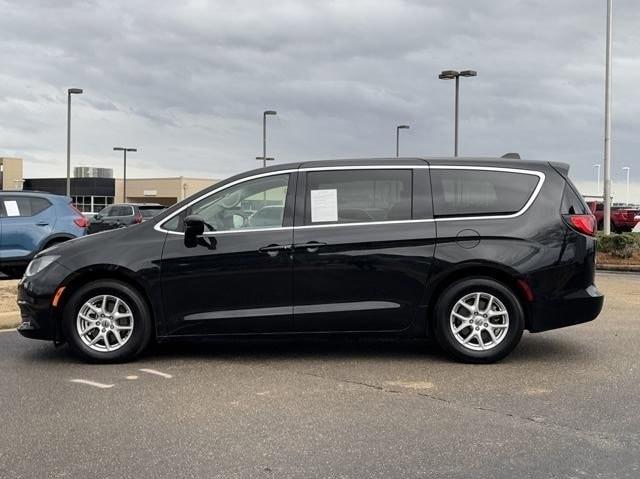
(11, 173)
(94, 188)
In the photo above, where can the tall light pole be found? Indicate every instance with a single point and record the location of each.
(264, 137)
(628, 169)
(70, 91)
(398, 128)
(607, 124)
(597, 167)
(124, 176)
(455, 75)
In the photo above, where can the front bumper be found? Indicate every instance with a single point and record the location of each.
(574, 308)
(39, 319)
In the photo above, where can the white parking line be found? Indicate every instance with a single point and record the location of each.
(157, 373)
(92, 383)
(132, 377)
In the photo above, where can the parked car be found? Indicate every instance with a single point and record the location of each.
(121, 215)
(469, 251)
(32, 221)
(622, 219)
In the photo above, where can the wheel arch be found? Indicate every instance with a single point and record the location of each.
(107, 272)
(55, 238)
(497, 272)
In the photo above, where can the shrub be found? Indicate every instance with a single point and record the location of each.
(620, 245)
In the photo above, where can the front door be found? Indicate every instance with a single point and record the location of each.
(237, 277)
(363, 245)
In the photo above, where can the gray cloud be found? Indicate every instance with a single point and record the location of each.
(186, 81)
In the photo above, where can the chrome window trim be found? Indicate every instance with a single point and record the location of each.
(527, 205)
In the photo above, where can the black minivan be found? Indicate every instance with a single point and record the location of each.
(471, 251)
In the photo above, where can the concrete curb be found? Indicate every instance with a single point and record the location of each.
(627, 268)
(9, 320)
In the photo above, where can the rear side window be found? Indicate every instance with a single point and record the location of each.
(22, 206)
(480, 192)
(148, 212)
(572, 203)
(357, 196)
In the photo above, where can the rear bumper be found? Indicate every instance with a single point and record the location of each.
(578, 307)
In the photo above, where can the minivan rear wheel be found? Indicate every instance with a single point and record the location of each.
(107, 321)
(478, 320)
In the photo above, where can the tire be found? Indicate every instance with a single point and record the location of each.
(13, 272)
(481, 347)
(132, 324)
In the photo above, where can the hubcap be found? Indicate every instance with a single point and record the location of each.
(479, 321)
(105, 323)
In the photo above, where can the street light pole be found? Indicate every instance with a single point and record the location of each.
(455, 75)
(607, 124)
(124, 176)
(398, 128)
(597, 167)
(264, 137)
(628, 169)
(70, 91)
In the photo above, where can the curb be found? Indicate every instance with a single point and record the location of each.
(9, 320)
(627, 268)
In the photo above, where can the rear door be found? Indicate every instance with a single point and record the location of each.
(363, 247)
(26, 222)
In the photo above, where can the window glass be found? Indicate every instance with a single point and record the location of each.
(478, 192)
(357, 196)
(572, 203)
(252, 204)
(38, 205)
(106, 212)
(21, 206)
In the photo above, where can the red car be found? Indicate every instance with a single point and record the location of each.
(622, 219)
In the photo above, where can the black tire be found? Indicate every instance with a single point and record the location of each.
(14, 272)
(142, 323)
(459, 290)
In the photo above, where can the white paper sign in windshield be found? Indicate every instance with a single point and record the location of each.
(11, 207)
(324, 205)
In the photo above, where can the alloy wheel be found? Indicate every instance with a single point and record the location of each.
(479, 321)
(105, 323)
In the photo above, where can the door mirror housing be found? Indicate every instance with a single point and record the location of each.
(97, 217)
(193, 226)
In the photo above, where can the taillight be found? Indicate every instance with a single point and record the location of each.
(138, 218)
(585, 224)
(79, 220)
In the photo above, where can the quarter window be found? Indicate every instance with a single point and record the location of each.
(480, 192)
(258, 203)
(358, 196)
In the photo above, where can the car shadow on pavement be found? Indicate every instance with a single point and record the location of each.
(532, 349)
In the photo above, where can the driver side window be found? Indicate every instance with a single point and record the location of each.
(251, 204)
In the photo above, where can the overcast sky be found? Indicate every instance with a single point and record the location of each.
(186, 82)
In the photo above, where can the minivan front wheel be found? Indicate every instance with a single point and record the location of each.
(107, 321)
(479, 320)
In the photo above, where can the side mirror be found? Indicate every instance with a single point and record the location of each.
(97, 217)
(193, 226)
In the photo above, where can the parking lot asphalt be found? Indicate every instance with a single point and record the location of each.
(564, 404)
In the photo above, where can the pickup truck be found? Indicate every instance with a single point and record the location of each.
(622, 219)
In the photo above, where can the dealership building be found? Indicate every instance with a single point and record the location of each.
(94, 188)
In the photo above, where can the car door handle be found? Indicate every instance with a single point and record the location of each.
(274, 249)
(311, 246)
(42, 223)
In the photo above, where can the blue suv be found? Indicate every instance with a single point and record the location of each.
(30, 222)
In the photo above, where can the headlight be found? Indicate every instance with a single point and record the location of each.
(39, 263)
